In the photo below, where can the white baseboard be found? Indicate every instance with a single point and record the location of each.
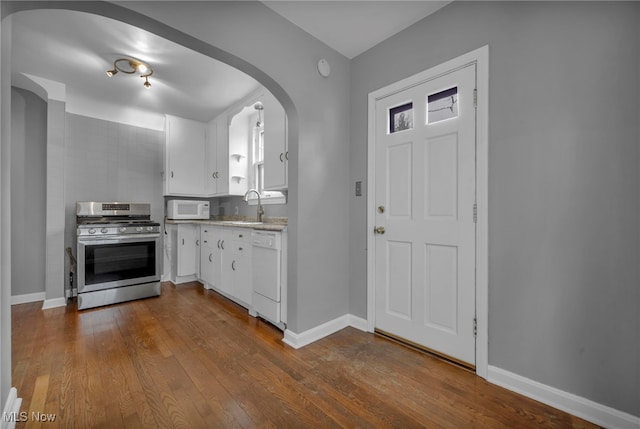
(358, 323)
(11, 410)
(581, 407)
(54, 303)
(314, 334)
(27, 297)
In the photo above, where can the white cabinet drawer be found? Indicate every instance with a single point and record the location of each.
(241, 249)
(207, 235)
(241, 235)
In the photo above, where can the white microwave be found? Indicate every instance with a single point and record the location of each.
(187, 209)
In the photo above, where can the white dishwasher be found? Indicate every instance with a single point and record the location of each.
(266, 274)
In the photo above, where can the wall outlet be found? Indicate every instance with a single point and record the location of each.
(358, 189)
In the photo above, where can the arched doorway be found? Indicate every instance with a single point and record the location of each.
(139, 20)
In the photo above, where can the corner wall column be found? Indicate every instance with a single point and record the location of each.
(54, 273)
(54, 93)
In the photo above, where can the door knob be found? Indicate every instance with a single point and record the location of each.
(378, 230)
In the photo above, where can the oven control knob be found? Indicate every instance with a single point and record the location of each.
(122, 229)
(92, 231)
(139, 229)
(149, 228)
(104, 230)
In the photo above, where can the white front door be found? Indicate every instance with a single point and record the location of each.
(425, 191)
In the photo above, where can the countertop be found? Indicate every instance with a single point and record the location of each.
(270, 224)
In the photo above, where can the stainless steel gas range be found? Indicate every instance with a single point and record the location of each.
(119, 253)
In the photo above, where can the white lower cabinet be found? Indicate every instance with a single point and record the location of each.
(225, 262)
(210, 256)
(245, 265)
(182, 244)
(236, 266)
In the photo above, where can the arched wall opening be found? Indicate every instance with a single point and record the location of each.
(318, 114)
(160, 29)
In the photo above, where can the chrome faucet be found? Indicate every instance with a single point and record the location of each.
(260, 209)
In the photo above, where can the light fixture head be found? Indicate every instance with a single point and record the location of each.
(132, 66)
(142, 68)
(259, 107)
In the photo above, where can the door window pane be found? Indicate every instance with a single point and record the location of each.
(442, 105)
(401, 118)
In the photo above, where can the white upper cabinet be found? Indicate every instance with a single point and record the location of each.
(185, 161)
(217, 171)
(276, 154)
(240, 137)
(243, 148)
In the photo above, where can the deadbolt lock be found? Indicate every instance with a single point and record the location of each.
(380, 209)
(379, 230)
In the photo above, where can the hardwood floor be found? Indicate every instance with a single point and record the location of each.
(193, 359)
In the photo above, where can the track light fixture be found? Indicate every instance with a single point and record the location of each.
(259, 107)
(132, 66)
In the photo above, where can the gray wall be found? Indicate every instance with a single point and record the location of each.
(109, 161)
(28, 191)
(564, 202)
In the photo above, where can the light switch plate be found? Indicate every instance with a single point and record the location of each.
(358, 189)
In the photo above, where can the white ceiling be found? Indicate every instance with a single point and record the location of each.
(352, 27)
(76, 49)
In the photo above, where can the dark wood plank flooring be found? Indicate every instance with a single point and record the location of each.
(193, 359)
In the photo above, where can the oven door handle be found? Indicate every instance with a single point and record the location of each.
(120, 239)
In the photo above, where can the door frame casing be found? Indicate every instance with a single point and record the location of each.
(481, 58)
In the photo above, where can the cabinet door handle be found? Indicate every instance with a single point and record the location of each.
(222, 244)
(204, 241)
(183, 241)
(172, 174)
(218, 244)
(286, 155)
(233, 265)
(239, 248)
(240, 235)
(197, 242)
(213, 175)
(210, 256)
(281, 157)
(217, 174)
